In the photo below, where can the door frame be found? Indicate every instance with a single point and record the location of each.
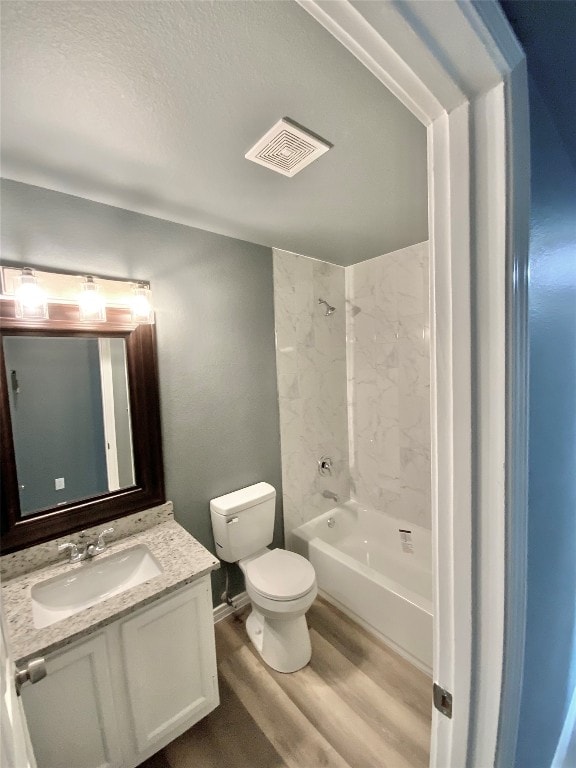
(107, 389)
(469, 88)
(15, 745)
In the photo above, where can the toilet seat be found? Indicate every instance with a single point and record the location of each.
(280, 575)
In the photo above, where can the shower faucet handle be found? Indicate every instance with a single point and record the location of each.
(325, 466)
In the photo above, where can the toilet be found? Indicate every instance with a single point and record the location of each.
(280, 584)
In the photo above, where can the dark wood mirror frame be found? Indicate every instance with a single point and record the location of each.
(19, 532)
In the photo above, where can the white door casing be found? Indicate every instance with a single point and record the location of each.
(457, 66)
(107, 389)
(15, 746)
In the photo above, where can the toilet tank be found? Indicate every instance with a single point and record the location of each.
(243, 521)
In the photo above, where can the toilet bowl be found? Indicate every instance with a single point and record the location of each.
(281, 586)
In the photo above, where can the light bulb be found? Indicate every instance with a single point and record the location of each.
(142, 311)
(31, 302)
(91, 302)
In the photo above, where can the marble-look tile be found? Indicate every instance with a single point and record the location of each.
(286, 355)
(288, 386)
(285, 311)
(311, 384)
(354, 385)
(386, 358)
(415, 328)
(414, 368)
(388, 375)
(415, 468)
(284, 271)
(410, 281)
(293, 517)
(290, 423)
(414, 418)
(292, 488)
(415, 507)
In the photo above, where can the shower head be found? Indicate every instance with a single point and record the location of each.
(329, 307)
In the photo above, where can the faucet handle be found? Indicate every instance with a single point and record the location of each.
(72, 547)
(100, 546)
(76, 553)
(105, 532)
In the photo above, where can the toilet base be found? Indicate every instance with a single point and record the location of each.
(283, 643)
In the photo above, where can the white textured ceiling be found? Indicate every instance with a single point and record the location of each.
(151, 106)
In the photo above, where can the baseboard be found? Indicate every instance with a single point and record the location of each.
(223, 610)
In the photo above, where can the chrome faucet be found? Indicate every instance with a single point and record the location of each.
(330, 495)
(100, 546)
(79, 552)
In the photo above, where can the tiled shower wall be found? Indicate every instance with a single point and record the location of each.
(311, 365)
(388, 353)
(354, 385)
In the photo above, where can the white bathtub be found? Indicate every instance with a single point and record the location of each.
(364, 567)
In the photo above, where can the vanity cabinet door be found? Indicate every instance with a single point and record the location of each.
(71, 713)
(169, 660)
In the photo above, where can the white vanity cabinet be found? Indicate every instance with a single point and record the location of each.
(116, 697)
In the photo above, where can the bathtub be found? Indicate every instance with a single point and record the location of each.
(377, 569)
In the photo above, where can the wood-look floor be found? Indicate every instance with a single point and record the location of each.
(356, 705)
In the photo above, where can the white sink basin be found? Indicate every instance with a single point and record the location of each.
(94, 581)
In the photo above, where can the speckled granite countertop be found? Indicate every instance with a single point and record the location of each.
(183, 560)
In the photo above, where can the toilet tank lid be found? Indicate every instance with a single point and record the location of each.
(244, 498)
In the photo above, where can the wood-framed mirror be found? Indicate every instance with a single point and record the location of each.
(80, 438)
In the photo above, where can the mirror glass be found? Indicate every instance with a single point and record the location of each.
(71, 422)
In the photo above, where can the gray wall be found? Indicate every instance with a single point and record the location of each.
(550, 651)
(213, 297)
(56, 419)
(546, 31)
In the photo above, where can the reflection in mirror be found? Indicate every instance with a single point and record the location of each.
(70, 412)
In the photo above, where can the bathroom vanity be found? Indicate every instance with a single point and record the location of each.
(127, 674)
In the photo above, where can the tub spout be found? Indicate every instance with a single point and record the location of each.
(330, 495)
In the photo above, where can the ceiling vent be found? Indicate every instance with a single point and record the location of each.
(287, 148)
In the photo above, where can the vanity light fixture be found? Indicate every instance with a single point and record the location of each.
(96, 299)
(31, 301)
(141, 304)
(91, 302)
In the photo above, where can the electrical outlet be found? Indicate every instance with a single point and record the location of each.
(59, 484)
